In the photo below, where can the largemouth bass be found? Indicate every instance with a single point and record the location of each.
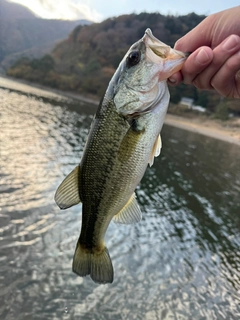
(124, 138)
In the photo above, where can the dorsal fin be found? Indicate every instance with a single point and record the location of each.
(130, 213)
(67, 194)
(155, 150)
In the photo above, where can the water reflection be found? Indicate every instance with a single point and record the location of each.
(180, 262)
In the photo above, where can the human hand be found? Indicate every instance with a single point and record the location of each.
(215, 61)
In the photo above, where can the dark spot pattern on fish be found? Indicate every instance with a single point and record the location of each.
(96, 166)
(123, 139)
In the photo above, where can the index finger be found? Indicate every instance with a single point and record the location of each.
(195, 64)
(197, 37)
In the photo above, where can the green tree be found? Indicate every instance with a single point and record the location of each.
(221, 111)
(47, 63)
(203, 98)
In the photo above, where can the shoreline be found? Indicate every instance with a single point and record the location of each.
(228, 131)
(207, 127)
(67, 94)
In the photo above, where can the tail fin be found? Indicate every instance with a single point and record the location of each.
(97, 265)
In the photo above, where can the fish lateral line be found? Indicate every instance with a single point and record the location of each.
(124, 138)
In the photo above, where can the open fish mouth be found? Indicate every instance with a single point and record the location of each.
(124, 138)
(160, 48)
(159, 52)
(140, 80)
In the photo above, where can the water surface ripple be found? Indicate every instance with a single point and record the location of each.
(180, 262)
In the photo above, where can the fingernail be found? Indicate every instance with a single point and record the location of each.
(230, 43)
(202, 57)
(172, 80)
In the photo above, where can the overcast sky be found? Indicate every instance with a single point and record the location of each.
(96, 10)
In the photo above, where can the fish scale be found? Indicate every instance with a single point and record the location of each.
(123, 139)
(96, 171)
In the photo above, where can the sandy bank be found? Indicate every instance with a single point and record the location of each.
(229, 131)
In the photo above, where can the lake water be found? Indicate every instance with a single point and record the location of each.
(181, 261)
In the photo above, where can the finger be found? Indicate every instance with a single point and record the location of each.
(227, 80)
(211, 31)
(220, 55)
(196, 63)
(196, 38)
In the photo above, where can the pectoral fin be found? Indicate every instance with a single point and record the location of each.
(130, 213)
(155, 150)
(67, 194)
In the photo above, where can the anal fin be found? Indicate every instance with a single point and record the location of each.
(67, 194)
(131, 213)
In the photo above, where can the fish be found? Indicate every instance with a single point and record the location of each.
(124, 138)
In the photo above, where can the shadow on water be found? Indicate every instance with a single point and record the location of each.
(180, 262)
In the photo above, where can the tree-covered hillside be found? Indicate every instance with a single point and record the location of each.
(24, 34)
(87, 59)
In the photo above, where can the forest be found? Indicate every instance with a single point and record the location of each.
(85, 61)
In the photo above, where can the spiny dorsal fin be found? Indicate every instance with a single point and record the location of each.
(67, 194)
(155, 150)
(130, 213)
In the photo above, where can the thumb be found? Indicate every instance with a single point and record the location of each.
(197, 37)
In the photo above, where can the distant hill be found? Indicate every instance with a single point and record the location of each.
(87, 59)
(24, 34)
(10, 10)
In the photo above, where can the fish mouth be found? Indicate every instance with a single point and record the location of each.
(160, 53)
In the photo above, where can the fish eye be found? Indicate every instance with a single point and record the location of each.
(133, 58)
